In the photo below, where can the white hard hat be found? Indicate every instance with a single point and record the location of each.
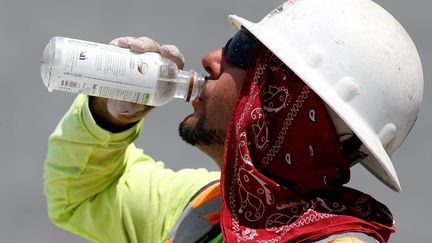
(359, 60)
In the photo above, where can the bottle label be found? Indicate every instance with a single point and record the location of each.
(104, 70)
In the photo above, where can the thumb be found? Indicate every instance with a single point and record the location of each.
(121, 110)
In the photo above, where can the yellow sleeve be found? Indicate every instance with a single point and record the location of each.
(100, 186)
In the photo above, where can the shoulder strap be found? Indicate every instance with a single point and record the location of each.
(199, 222)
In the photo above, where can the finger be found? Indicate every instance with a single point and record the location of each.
(144, 44)
(115, 42)
(173, 53)
(130, 109)
(126, 111)
(123, 42)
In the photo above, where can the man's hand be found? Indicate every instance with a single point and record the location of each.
(115, 115)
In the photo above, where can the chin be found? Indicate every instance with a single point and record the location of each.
(190, 121)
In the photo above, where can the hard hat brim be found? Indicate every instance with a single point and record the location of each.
(378, 161)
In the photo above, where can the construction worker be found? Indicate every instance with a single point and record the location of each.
(290, 104)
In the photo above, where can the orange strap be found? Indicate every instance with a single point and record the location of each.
(200, 219)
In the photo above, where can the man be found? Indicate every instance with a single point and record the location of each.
(290, 104)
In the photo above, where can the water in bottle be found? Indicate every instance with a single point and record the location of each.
(108, 71)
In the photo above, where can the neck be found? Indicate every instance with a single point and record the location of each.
(215, 152)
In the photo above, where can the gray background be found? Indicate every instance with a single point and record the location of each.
(29, 113)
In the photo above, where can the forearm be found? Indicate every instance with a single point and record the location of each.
(83, 159)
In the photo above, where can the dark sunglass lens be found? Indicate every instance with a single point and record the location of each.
(227, 44)
(240, 49)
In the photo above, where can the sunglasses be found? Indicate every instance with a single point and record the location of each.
(239, 50)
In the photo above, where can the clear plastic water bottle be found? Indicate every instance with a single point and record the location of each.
(108, 71)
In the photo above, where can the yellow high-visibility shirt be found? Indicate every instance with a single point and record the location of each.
(100, 186)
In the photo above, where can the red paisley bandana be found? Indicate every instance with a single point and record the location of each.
(283, 168)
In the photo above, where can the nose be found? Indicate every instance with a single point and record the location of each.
(212, 62)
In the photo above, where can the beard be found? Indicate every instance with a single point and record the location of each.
(198, 134)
